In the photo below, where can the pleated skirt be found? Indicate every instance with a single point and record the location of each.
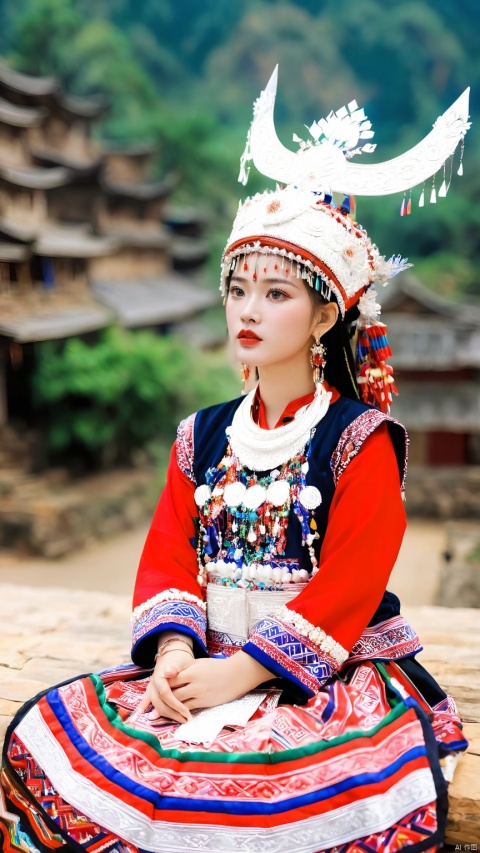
(357, 768)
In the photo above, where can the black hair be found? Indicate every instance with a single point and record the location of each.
(340, 370)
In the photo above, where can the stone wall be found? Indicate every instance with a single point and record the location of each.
(459, 582)
(51, 519)
(444, 492)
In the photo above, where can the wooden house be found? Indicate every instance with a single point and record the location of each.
(67, 133)
(82, 238)
(131, 210)
(436, 356)
(140, 283)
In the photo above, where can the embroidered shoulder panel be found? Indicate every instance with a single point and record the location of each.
(185, 451)
(353, 437)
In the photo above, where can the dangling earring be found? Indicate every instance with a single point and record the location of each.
(245, 373)
(318, 361)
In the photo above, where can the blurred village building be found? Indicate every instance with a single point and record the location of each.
(436, 356)
(86, 238)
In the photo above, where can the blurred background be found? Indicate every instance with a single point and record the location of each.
(121, 129)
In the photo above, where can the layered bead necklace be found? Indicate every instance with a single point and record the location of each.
(244, 512)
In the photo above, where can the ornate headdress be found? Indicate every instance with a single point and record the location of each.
(301, 222)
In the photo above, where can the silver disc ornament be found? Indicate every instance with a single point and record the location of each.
(310, 497)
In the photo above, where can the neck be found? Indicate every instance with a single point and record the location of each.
(282, 383)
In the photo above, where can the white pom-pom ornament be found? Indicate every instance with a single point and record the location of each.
(278, 492)
(202, 494)
(254, 497)
(233, 494)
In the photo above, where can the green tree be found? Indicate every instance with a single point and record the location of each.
(101, 402)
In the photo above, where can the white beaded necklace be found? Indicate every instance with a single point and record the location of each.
(262, 449)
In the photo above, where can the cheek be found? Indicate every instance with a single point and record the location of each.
(295, 321)
(231, 312)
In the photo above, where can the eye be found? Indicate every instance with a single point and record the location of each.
(277, 295)
(236, 291)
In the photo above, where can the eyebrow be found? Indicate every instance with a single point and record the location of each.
(282, 281)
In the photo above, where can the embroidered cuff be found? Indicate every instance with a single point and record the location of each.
(323, 643)
(389, 640)
(169, 610)
(285, 652)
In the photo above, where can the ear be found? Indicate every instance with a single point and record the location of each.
(326, 317)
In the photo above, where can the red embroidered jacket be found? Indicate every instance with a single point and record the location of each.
(365, 528)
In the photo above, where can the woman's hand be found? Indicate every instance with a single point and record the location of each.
(159, 694)
(212, 681)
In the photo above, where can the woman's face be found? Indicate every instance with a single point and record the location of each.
(270, 316)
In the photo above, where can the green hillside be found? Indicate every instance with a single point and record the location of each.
(185, 75)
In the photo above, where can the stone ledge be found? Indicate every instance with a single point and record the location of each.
(52, 634)
(49, 518)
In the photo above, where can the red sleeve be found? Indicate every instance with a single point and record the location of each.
(167, 594)
(308, 639)
(365, 529)
(168, 557)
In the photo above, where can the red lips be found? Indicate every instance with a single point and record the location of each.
(248, 338)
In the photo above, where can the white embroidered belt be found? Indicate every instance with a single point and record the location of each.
(235, 611)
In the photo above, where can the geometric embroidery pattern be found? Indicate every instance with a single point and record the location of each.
(291, 653)
(177, 612)
(88, 834)
(353, 437)
(184, 447)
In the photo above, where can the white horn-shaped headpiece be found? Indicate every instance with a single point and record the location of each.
(323, 163)
(300, 220)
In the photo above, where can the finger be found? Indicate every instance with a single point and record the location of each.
(180, 680)
(183, 694)
(163, 711)
(162, 693)
(169, 713)
(144, 703)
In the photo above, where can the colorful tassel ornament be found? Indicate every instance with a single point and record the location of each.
(374, 375)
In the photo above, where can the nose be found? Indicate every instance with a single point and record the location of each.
(250, 309)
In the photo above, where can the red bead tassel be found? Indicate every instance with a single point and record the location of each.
(374, 375)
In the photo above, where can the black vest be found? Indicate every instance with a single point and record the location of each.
(210, 443)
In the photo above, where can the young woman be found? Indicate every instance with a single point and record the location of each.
(261, 595)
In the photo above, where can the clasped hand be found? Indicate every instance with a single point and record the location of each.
(179, 684)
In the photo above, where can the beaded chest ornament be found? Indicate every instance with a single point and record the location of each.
(245, 508)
